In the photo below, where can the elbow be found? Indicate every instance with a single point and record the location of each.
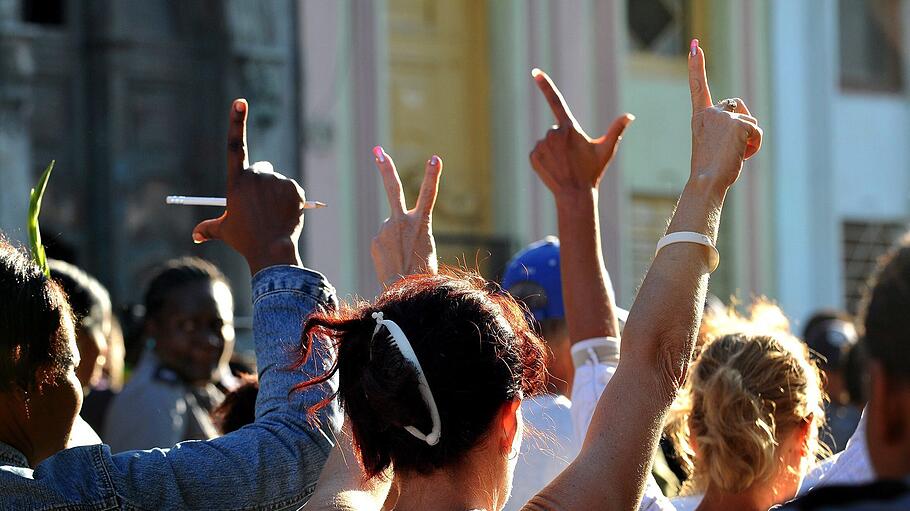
(671, 361)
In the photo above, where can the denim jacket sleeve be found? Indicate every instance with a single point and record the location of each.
(272, 464)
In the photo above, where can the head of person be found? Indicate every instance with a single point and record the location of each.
(749, 415)
(40, 394)
(886, 345)
(533, 278)
(189, 317)
(479, 358)
(91, 305)
(830, 334)
(239, 406)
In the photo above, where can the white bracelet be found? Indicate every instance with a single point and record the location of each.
(691, 237)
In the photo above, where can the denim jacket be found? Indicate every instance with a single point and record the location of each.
(271, 464)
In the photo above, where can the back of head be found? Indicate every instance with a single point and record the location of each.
(476, 351)
(35, 324)
(533, 278)
(886, 327)
(885, 317)
(830, 334)
(90, 301)
(744, 393)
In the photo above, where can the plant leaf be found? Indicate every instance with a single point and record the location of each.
(34, 209)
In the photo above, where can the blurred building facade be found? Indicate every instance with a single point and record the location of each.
(811, 213)
(130, 97)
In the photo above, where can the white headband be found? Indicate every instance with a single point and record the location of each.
(407, 351)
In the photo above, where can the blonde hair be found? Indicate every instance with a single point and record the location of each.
(752, 383)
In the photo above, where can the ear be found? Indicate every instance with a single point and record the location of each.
(509, 422)
(804, 432)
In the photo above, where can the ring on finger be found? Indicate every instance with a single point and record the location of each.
(729, 105)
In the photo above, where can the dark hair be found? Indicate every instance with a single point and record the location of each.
(174, 274)
(477, 352)
(823, 316)
(884, 311)
(819, 336)
(35, 323)
(88, 299)
(239, 406)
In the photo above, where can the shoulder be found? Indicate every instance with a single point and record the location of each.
(878, 495)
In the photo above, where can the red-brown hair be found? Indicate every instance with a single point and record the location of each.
(476, 349)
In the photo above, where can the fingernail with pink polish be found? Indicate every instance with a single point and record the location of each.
(693, 47)
(379, 153)
(434, 160)
(197, 238)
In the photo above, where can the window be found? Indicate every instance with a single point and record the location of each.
(870, 45)
(660, 26)
(864, 242)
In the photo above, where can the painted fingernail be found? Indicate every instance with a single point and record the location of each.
(434, 160)
(240, 105)
(197, 238)
(379, 153)
(693, 47)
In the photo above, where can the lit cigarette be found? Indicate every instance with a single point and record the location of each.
(221, 202)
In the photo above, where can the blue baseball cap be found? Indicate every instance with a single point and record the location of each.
(532, 276)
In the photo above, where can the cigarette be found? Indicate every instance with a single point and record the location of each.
(182, 200)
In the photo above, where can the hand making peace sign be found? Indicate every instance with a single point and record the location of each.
(405, 243)
(264, 215)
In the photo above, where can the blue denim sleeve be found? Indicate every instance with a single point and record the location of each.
(273, 463)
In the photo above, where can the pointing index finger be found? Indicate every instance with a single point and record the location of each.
(554, 97)
(698, 81)
(237, 155)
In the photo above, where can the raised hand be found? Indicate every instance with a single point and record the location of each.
(723, 134)
(264, 215)
(405, 244)
(567, 158)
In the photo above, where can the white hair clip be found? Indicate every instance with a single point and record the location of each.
(407, 351)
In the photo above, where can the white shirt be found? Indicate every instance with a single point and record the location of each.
(547, 448)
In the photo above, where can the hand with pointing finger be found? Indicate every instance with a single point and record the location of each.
(567, 159)
(264, 215)
(723, 134)
(405, 243)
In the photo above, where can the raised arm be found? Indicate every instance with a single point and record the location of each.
(611, 469)
(273, 463)
(572, 164)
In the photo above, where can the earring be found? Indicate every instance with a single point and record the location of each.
(28, 413)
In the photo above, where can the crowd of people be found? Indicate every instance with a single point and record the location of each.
(449, 391)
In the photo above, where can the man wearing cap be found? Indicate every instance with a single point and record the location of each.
(831, 334)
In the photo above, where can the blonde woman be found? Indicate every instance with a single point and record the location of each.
(747, 421)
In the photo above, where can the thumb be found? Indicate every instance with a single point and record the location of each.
(208, 230)
(606, 144)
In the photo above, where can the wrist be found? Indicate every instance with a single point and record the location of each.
(275, 253)
(572, 199)
(703, 188)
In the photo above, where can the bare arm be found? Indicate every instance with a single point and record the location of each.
(611, 469)
(573, 176)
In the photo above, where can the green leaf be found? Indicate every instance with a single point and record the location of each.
(34, 209)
